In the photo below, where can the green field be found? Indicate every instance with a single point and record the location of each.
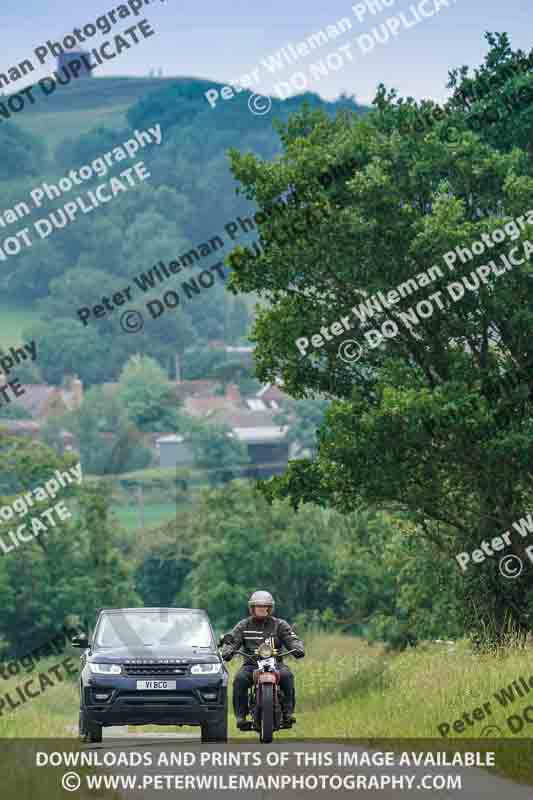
(129, 517)
(14, 320)
(57, 128)
(84, 105)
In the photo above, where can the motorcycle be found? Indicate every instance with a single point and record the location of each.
(264, 698)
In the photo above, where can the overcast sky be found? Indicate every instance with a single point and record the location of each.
(224, 39)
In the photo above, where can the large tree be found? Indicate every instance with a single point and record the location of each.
(217, 452)
(241, 543)
(70, 570)
(148, 395)
(421, 423)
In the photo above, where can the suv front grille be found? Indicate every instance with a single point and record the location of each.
(134, 670)
(145, 699)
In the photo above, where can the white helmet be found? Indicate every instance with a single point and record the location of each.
(262, 599)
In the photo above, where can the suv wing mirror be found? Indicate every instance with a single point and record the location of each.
(80, 641)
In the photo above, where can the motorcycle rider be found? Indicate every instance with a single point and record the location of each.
(247, 635)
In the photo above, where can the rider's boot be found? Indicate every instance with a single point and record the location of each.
(241, 722)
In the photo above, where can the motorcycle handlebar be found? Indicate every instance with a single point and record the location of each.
(247, 655)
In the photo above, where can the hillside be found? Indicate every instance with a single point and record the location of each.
(190, 194)
(87, 104)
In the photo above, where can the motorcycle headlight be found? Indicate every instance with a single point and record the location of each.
(264, 650)
(105, 669)
(205, 669)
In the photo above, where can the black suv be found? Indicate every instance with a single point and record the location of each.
(146, 666)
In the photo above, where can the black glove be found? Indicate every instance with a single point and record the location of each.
(227, 653)
(298, 654)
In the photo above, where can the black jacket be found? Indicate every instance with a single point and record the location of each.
(250, 632)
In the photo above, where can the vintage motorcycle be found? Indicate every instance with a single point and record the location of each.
(264, 699)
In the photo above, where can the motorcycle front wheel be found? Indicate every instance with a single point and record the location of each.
(267, 713)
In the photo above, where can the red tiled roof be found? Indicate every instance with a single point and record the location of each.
(39, 399)
(197, 388)
(22, 426)
(36, 398)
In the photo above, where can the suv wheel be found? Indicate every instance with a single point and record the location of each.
(216, 731)
(89, 731)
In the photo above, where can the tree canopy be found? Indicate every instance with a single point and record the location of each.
(420, 423)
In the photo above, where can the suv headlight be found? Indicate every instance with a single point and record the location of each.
(205, 669)
(105, 669)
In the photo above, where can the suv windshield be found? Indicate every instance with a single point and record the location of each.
(143, 628)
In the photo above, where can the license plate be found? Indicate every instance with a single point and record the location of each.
(156, 684)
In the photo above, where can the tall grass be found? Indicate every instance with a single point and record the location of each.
(54, 713)
(347, 689)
